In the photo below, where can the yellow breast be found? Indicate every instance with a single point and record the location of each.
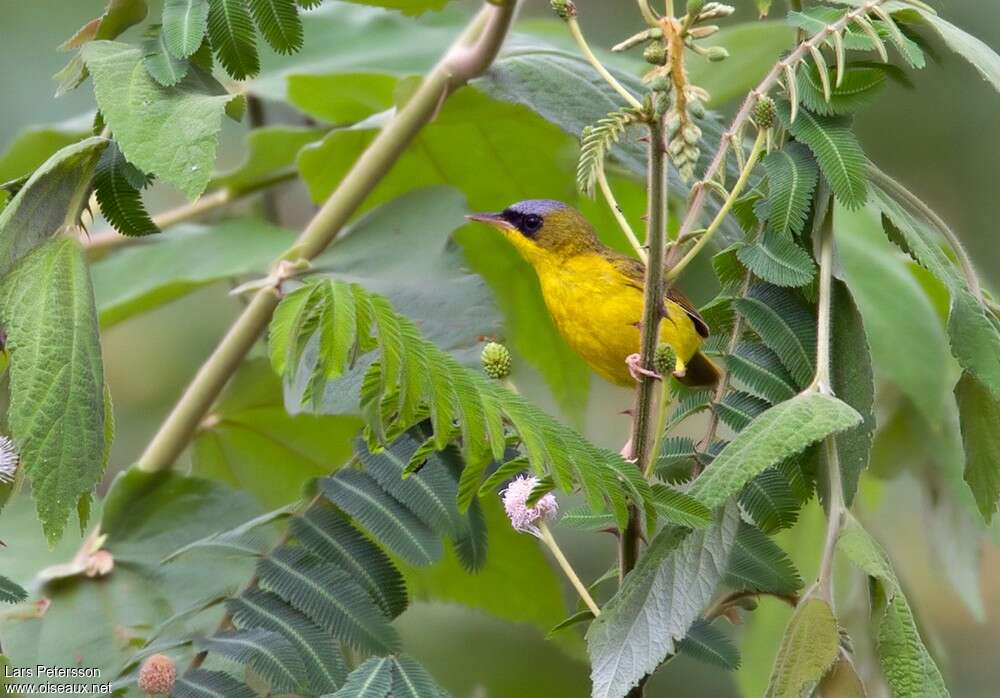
(598, 311)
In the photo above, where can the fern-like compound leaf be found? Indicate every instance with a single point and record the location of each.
(859, 89)
(232, 36)
(681, 509)
(837, 151)
(389, 521)
(199, 683)
(756, 563)
(770, 502)
(411, 680)
(785, 324)
(10, 592)
(268, 653)
(328, 535)
(184, 25)
(163, 66)
(373, 679)
(279, 24)
(595, 143)
(791, 179)
(329, 598)
(706, 643)
(324, 665)
(779, 260)
(120, 202)
(738, 409)
(758, 371)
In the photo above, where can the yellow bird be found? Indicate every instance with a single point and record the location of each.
(595, 295)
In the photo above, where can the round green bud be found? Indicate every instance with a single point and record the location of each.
(496, 361)
(655, 53)
(564, 8)
(664, 360)
(716, 54)
(661, 83)
(764, 113)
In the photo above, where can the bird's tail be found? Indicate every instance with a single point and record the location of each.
(701, 372)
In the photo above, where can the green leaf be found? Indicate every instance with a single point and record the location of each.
(266, 652)
(978, 53)
(56, 415)
(737, 409)
(758, 371)
(975, 339)
(678, 508)
(791, 179)
(171, 132)
(233, 39)
(779, 433)
(785, 324)
(770, 502)
(390, 522)
(163, 66)
(583, 519)
(144, 277)
(837, 151)
(35, 144)
(657, 604)
(861, 85)
(279, 23)
(708, 644)
(329, 597)
(340, 98)
(411, 680)
(779, 260)
(199, 683)
(184, 25)
(245, 539)
(11, 592)
(120, 202)
(373, 679)
(407, 7)
(40, 209)
(329, 536)
(894, 306)
(854, 383)
(758, 564)
(980, 412)
(324, 665)
(807, 652)
(269, 154)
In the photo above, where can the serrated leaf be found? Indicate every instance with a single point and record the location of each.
(758, 371)
(758, 564)
(784, 323)
(184, 25)
(657, 604)
(268, 653)
(390, 522)
(279, 23)
(779, 260)
(770, 502)
(975, 339)
(583, 519)
(163, 66)
(329, 597)
(324, 665)
(200, 683)
(708, 644)
(170, 132)
(373, 679)
(120, 202)
(56, 415)
(808, 650)
(233, 39)
(860, 87)
(980, 413)
(10, 592)
(791, 175)
(779, 433)
(678, 508)
(837, 151)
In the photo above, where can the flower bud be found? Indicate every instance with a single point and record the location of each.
(655, 53)
(716, 53)
(496, 361)
(703, 32)
(691, 134)
(764, 113)
(157, 675)
(661, 83)
(564, 8)
(664, 360)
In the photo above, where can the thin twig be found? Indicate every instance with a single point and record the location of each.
(581, 42)
(581, 588)
(616, 211)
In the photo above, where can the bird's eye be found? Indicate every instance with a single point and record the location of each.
(531, 223)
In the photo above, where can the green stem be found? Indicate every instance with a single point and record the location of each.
(581, 42)
(758, 148)
(661, 426)
(546, 536)
(616, 211)
(647, 13)
(461, 63)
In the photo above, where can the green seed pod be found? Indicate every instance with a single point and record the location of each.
(716, 54)
(664, 360)
(655, 53)
(764, 113)
(564, 8)
(496, 361)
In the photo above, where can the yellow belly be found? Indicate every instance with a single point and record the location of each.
(598, 313)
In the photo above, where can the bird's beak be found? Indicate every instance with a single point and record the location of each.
(494, 219)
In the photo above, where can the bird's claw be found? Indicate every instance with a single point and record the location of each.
(638, 372)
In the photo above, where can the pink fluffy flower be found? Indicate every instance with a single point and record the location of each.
(157, 675)
(515, 501)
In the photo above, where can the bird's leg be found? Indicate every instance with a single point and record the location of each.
(627, 451)
(633, 362)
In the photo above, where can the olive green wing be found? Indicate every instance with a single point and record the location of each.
(635, 271)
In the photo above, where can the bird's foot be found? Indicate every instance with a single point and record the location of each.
(633, 362)
(627, 452)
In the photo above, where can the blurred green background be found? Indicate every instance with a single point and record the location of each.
(941, 139)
